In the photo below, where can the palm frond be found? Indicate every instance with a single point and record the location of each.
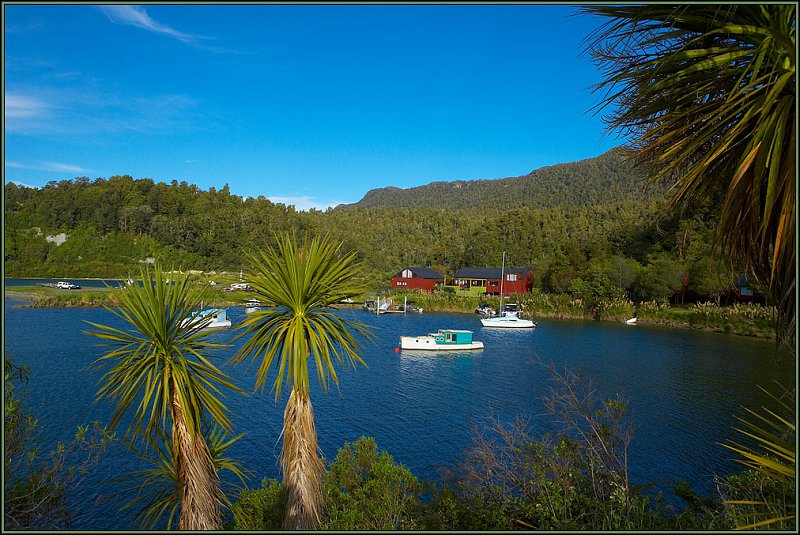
(300, 283)
(154, 493)
(773, 452)
(705, 96)
(156, 350)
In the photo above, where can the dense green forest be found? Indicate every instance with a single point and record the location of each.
(605, 179)
(569, 224)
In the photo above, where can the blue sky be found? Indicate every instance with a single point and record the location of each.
(310, 105)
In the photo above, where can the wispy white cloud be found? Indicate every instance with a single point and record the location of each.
(18, 106)
(138, 17)
(57, 167)
(81, 111)
(305, 203)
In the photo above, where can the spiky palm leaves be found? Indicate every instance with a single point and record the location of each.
(157, 367)
(155, 491)
(299, 284)
(705, 95)
(774, 456)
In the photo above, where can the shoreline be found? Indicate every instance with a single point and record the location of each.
(31, 298)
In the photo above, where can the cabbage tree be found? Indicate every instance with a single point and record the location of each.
(299, 284)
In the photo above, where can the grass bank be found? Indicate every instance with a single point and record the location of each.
(741, 319)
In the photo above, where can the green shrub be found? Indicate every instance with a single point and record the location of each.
(760, 499)
(260, 509)
(367, 490)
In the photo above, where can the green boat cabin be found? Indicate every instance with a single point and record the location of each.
(453, 337)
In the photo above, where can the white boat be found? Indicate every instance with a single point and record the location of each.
(251, 305)
(210, 318)
(385, 307)
(444, 340)
(508, 321)
(485, 310)
(508, 317)
(631, 321)
(409, 306)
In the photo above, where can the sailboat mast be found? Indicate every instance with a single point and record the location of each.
(502, 277)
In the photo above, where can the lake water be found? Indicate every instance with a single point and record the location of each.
(684, 388)
(84, 283)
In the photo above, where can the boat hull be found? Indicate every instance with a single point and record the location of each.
(428, 343)
(508, 322)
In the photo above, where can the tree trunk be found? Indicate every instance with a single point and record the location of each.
(301, 465)
(196, 476)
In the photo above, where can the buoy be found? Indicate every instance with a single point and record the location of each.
(397, 350)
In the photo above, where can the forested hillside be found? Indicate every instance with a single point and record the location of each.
(594, 181)
(568, 230)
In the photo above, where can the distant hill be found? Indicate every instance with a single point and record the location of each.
(591, 182)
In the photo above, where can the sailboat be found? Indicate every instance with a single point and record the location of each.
(506, 319)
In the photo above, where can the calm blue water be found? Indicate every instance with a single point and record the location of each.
(683, 388)
(84, 283)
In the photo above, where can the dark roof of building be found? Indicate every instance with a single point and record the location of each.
(422, 273)
(487, 273)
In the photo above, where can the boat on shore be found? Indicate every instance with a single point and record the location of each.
(210, 318)
(485, 310)
(443, 340)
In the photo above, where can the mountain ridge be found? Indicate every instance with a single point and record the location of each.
(588, 182)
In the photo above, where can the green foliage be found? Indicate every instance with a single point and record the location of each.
(755, 500)
(212, 230)
(765, 494)
(155, 493)
(35, 487)
(587, 182)
(259, 509)
(299, 284)
(366, 490)
(706, 94)
(575, 479)
(162, 354)
(745, 318)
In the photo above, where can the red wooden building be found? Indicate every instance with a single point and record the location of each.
(517, 280)
(416, 278)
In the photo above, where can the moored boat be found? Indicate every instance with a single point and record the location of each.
(251, 305)
(509, 315)
(210, 318)
(508, 321)
(409, 306)
(485, 310)
(443, 340)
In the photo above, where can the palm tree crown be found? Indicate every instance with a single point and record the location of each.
(158, 368)
(706, 96)
(299, 284)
